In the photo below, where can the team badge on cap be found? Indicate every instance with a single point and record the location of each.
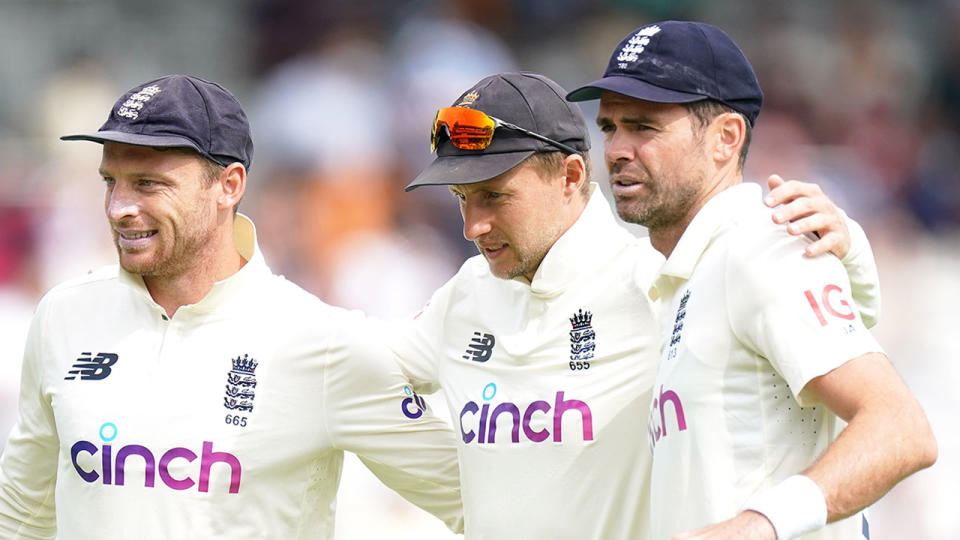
(631, 49)
(468, 99)
(131, 107)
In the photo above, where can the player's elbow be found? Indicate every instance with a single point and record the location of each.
(923, 448)
(928, 451)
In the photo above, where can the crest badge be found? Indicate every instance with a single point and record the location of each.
(131, 107)
(632, 49)
(241, 384)
(468, 99)
(582, 336)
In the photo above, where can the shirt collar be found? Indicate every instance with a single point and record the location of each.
(245, 240)
(701, 231)
(593, 237)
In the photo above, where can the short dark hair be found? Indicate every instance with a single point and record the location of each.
(704, 111)
(549, 164)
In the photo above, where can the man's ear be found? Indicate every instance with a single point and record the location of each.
(730, 131)
(233, 183)
(574, 174)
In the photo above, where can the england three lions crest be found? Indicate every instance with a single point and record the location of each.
(241, 384)
(582, 336)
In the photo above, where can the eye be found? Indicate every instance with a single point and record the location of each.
(143, 182)
(494, 195)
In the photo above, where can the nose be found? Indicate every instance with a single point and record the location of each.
(476, 221)
(617, 148)
(120, 203)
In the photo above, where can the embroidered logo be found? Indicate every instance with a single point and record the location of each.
(133, 104)
(92, 368)
(631, 51)
(241, 383)
(480, 347)
(678, 325)
(582, 336)
(468, 99)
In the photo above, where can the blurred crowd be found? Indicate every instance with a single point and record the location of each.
(862, 97)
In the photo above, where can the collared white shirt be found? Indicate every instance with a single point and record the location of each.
(746, 321)
(548, 383)
(227, 420)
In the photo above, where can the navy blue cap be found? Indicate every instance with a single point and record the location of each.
(179, 111)
(679, 62)
(528, 100)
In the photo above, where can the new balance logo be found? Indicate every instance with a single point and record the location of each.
(480, 348)
(92, 369)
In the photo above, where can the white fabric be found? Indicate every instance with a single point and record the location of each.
(746, 321)
(794, 507)
(322, 385)
(568, 457)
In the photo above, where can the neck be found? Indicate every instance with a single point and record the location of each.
(665, 239)
(572, 214)
(216, 263)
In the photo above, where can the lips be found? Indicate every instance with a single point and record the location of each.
(134, 240)
(491, 251)
(623, 186)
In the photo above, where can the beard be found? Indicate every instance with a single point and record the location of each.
(668, 202)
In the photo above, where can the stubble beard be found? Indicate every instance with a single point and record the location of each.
(190, 243)
(668, 203)
(530, 256)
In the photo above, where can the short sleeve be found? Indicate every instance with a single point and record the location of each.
(795, 311)
(416, 341)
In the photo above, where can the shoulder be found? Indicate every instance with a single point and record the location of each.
(282, 300)
(91, 285)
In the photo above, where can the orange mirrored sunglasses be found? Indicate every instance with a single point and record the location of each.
(470, 129)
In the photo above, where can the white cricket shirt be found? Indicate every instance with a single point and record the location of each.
(229, 420)
(548, 384)
(746, 321)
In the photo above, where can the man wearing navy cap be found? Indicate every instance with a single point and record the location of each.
(763, 358)
(190, 392)
(545, 345)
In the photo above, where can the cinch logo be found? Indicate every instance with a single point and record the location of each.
(92, 369)
(414, 405)
(487, 427)
(657, 427)
(112, 468)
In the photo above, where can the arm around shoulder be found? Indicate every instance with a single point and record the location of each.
(862, 269)
(373, 411)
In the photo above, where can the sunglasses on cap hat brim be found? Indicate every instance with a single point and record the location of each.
(470, 129)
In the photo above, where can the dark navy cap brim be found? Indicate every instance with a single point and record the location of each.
(153, 141)
(634, 88)
(467, 169)
(158, 141)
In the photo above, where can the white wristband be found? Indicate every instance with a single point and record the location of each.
(795, 506)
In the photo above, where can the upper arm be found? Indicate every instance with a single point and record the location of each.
(28, 467)
(374, 413)
(795, 311)
(866, 381)
(861, 268)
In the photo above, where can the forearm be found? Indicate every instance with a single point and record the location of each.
(887, 439)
